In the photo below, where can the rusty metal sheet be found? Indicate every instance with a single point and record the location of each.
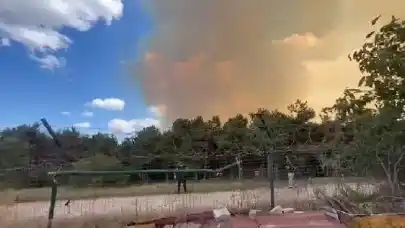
(377, 221)
(290, 220)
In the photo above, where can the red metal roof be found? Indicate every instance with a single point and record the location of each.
(289, 220)
(293, 220)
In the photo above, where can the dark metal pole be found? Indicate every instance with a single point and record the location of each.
(55, 139)
(270, 175)
(54, 193)
(54, 188)
(51, 132)
(270, 163)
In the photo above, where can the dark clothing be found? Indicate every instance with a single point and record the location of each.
(290, 169)
(180, 175)
(179, 182)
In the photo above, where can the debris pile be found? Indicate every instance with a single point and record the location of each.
(356, 209)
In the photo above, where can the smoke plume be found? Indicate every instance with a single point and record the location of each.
(222, 57)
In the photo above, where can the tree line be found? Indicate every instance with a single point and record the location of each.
(196, 142)
(363, 130)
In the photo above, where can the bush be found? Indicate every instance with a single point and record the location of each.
(98, 162)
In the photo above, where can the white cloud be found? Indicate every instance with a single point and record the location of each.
(119, 126)
(49, 61)
(37, 24)
(4, 42)
(300, 40)
(82, 125)
(108, 103)
(65, 113)
(87, 114)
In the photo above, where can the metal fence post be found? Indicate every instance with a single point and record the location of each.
(270, 160)
(51, 213)
(270, 176)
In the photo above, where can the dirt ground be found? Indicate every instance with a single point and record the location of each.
(12, 196)
(158, 204)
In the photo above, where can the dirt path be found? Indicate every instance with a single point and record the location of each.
(159, 203)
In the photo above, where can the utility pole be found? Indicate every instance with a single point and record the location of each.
(270, 163)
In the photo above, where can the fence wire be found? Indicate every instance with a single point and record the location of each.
(267, 162)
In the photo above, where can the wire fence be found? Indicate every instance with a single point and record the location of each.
(244, 186)
(285, 169)
(252, 167)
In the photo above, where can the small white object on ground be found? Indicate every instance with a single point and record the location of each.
(277, 210)
(288, 210)
(221, 214)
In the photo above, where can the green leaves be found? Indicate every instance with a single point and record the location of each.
(374, 111)
(381, 62)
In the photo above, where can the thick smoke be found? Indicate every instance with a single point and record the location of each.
(222, 57)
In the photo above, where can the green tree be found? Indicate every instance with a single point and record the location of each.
(374, 111)
(98, 162)
(301, 112)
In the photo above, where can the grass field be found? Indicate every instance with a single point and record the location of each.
(11, 196)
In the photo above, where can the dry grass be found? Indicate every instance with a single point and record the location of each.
(120, 220)
(10, 196)
(378, 221)
(116, 212)
(82, 222)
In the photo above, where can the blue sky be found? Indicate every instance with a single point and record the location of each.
(94, 69)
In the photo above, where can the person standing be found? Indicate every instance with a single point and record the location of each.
(291, 172)
(181, 179)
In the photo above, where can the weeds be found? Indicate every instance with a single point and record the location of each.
(116, 211)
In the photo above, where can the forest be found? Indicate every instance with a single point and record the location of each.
(362, 132)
